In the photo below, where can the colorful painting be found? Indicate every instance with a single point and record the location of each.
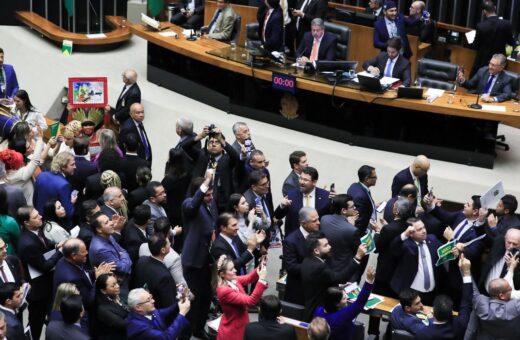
(88, 92)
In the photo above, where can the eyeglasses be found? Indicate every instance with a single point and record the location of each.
(150, 299)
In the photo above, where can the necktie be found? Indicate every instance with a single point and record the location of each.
(418, 186)
(388, 70)
(4, 277)
(307, 200)
(212, 23)
(2, 80)
(266, 18)
(237, 253)
(144, 140)
(122, 91)
(314, 52)
(426, 270)
(459, 232)
(487, 89)
(42, 239)
(301, 9)
(374, 212)
(266, 211)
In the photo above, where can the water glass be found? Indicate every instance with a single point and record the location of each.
(515, 106)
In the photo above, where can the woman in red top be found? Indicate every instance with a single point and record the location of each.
(233, 299)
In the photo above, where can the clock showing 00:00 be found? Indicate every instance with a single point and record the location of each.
(284, 82)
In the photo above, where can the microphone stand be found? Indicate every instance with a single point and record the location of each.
(476, 105)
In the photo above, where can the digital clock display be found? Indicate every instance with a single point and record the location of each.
(284, 82)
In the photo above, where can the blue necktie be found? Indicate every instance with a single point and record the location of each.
(388, 70)
(237, 253)
(457, 234)
(210, 26)
(422, 255)
(487, 89)
(266, 210)
(145, 141)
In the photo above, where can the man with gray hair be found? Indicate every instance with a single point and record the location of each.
(490, 82)
(113, 209)
(146, 322)
(15, 196)
(294, 253)
(316, 44)
(242, 138)
(419, 23)
(129, 95)
(54, 184)
(184, 129)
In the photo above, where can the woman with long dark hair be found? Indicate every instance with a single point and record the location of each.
(26, 112)
(111, 312)
(54, 218)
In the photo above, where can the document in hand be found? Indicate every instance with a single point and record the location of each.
(352, 290)
(445, 254)
(492, 196)
(369, 241)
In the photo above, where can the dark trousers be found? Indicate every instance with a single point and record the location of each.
(381, 288)
(194, 22)
(37, 314)
(199, 282)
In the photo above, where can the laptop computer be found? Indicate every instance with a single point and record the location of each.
(371, 84)
(410, 92)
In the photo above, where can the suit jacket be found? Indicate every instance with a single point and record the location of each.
(131, 239)
(187, 141)
(343, 237)
(11, 82)
(110, 319)
(321, 204)
(15, 198)
(381, 35)
(492, 36)
(273, 30)
(404, 321)
(401, 68)
(501, 89)
(84, 169)
(267, 330)
(199, 6)
(86, 234)
(327, 50)
(250, 197)
(122, 111)
(156, 276)
(221, 247)
(224, 24)
(363, 204)
(381, 14)
(108, 250)
(139, 327)
(50, 185)
(130, 165)
(291, 182)
(69, 272)
(404, 177)
(15, 330)
(137, 197)
(199, 224)
(386, 260)
(30, 251)
(293, 255)
(317, 276)
(93, 188)
(59, 330)
(313, 9)
(16, 269)
(129, 127)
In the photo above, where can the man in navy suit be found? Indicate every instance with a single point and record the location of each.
(317, 44)
(363, 200)
(505, 216)
(294, 252)
(298, 162)
(409, 315)
(8, 81)
(416, 268)
(390, 63)
(84, 167)
(270, 25)
(135, 125)
(200, 217)
(129, 95)
(308, 195)
(11, 299)
(416, 174)
(392, 25)
(306, 11)
(10, 266)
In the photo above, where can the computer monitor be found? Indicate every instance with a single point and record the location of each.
(337, 65)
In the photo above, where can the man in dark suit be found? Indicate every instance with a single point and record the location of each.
(270, 25)
(268, 327)
(339, 229)
(256, 161)
(416, 174)
(259, 192)
(317, 275)
(228, 243)
(294, 252)
(129, 95)
(10, 266)
(132, 161)
(152, 273)
(306, 11)
(242, 134)
(32, 246)
(135, 125)
(298, 162)
(417, 253)
(184, 129)
(375, 7)
(317, 44)
(8, 81)
(490, 82)
(191, 14)
(200, 216)
(390, 63)
(72, 311)
(392, 25)
(493, 34)
(360, 192)
(308, 195)
(15, 196)
(84, 167)
(409, 314)
(420, 24)
(136, 232)
(11, 299)
(505, 218)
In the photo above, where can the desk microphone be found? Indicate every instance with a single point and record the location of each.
(476, 105)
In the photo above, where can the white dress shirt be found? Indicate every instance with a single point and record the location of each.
(312, 198)
(418, 281)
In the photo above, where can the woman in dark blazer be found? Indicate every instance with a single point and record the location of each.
(111, 312)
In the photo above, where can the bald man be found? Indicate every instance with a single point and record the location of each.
(416, 174)
(129, 95)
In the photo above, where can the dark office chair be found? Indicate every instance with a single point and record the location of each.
(292, 310)
(343, 38)
(437, 74)
(235, 34)
(252, 31)
(399, 334)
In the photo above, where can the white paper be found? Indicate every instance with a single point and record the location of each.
(388, 80)
(492, 196)
(496, 108)
(96, 36)
(33, 272)
(168, 34)
(470, 36)
(381, 207)
(74, 232)
(214, 324)
(187, 33)
(434, 93)
(366, 74)
(350, 287)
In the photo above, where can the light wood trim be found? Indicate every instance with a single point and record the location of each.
(197, 50)
(54, 32)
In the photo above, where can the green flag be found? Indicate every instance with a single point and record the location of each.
(54, 127)
(69, 6)
(155, 7)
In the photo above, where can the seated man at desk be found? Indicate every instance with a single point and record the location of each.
(191, 15)
(491, 82)
(390, 63)
(317, 44)
(223, 21)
